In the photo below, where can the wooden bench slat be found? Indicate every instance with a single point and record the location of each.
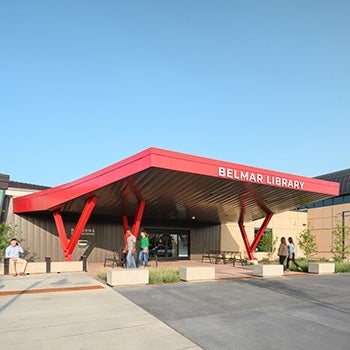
(223, 255)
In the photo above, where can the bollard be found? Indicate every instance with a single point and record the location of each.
(6, 266)
(48, 264)
(84, 263)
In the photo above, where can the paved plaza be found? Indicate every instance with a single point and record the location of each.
(297, 312)
(77, 311)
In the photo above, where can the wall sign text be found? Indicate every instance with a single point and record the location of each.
(248, 176)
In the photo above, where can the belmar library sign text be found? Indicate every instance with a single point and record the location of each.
(258, 178)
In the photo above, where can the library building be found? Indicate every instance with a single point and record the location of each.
(186, 203)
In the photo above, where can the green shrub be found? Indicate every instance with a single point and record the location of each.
(164, 275)
(102, 275)
(265, 261)
(302, 262)
(342, 266)
(339, 266)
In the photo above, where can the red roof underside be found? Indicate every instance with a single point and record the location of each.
(179, 186)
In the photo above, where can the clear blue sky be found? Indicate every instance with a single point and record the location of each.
(87, 83)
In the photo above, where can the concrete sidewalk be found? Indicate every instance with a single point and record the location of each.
(76, 311)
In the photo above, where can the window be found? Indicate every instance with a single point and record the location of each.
(266, 241)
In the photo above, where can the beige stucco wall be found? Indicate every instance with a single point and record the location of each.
(288, 224)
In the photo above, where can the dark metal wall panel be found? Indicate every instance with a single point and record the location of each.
(37, 235)
(40, 239)
(204, 238)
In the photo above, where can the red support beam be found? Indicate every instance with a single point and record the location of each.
(125, 222)
(250, 248)
(68, 246)
(260, 232)
(84, 217)
(138, 218)
(60, 229)
(125, 227)
(245, 240)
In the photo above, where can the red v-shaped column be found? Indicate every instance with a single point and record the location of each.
(137, 221)
(67, 245)
(250, 248)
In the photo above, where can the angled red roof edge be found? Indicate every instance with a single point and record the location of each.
(170, 160)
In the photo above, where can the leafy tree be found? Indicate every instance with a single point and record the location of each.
(6, 233)
(307, 243)
(340, 235)
(268, 244)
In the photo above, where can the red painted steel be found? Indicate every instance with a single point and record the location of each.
(125, 222)
(68, 246)
(245, 240)
(85, 215)
(260, 232)
(137, 221)
(250, 248)
(249, 191)
(153, 157)
(60, 229)
(138, 218)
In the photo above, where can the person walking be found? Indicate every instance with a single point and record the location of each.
(291, 254)
(283, 251)
(131, 242)
(13, 252)
(144, 245)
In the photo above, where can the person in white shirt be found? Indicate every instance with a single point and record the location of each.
(291, 255)
(13, 252)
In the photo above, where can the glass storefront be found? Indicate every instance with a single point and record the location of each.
(169, 244)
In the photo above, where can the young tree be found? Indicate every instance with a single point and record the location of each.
(307, 243)
(340, 235)
(268, 243)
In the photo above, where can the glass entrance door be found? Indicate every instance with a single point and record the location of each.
(183, 245)
(169, 244)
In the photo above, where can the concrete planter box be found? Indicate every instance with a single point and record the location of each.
(122, 277)
(56, 267)
(32, 267)
(36, 267)
(66, 266)
(268, 270)
(321, 268)
(197, 273)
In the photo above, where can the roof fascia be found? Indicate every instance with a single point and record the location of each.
(53, 197)
(170, 160)
(238, 172)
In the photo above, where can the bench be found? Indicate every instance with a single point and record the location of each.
(225, 256)
(114, 259)
(119, 259)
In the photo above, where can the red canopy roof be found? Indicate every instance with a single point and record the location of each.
(182, 187)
